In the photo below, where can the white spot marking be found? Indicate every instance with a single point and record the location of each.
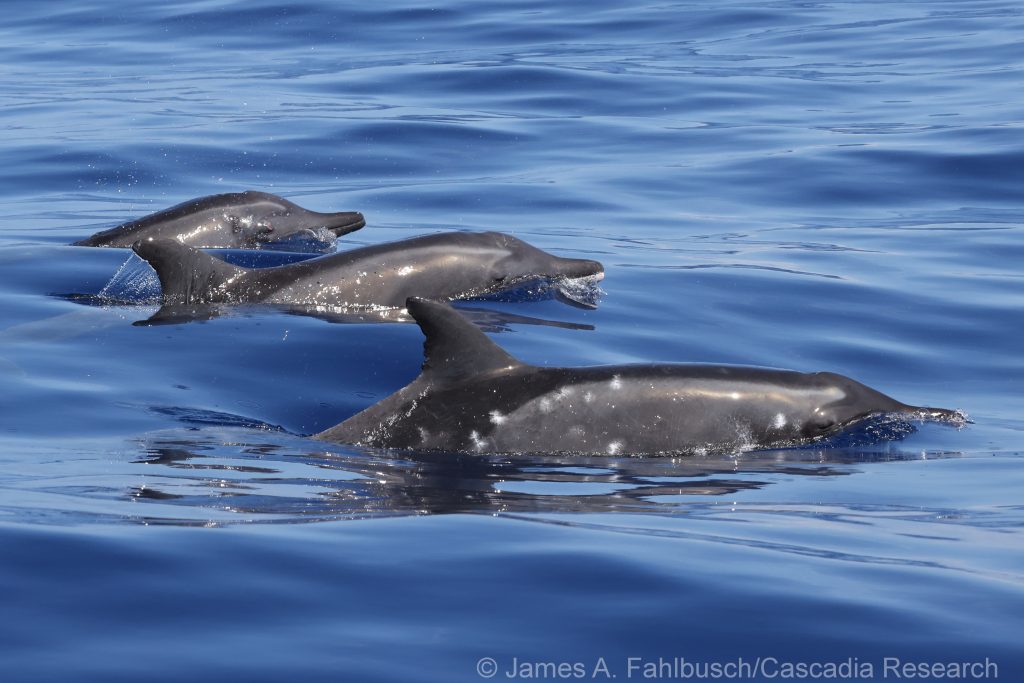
(614, 447)
(497, 418)
(780, 421)
(545, 405)
(735, 395)
(616, 382)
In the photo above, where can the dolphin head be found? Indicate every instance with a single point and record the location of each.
(289, 221)
(262, 217)
(841, 402)
(518, 261)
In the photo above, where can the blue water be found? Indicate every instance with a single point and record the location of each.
(817, 186)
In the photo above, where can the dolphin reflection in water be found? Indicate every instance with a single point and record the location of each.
(246, 472)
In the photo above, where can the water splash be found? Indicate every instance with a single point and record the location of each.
(584, 291)
(956, 418)
(134, 282)
(580, 291)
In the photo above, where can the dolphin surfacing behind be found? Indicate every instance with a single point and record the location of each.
(234, 220)
(447, 266)
(472, 396)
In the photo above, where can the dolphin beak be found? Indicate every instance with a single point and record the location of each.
(956, 417)
(344, 222)
(578, 267)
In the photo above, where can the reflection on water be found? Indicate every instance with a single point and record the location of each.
(488, 319)
(280, 480)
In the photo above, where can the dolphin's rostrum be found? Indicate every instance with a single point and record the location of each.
(237, 219)
(472, 396)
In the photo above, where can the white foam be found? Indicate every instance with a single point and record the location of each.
(134, 281)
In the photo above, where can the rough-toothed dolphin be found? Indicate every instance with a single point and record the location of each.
(473, 396)
(451, 265)
(235, 220)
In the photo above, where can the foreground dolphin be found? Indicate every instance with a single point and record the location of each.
(472, 396)
(450, 265)
(238, 219)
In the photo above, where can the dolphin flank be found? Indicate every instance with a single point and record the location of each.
(233, 220)
(472, 396)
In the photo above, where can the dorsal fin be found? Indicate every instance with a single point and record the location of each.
(454, 347)
(187, 275)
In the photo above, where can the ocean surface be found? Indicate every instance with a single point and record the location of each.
(807, 185)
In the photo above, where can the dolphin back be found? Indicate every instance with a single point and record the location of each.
(454, 350)
(187, 275)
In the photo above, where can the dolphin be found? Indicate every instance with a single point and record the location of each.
(449, 265)
(472, 396)
(238, 219)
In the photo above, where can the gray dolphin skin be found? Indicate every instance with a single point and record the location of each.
(451, 265)
(472, 396)
(234, 220)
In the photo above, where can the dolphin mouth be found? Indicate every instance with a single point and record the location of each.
(345, 222)
(955, 418)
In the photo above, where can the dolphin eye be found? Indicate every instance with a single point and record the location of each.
(821, 423)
